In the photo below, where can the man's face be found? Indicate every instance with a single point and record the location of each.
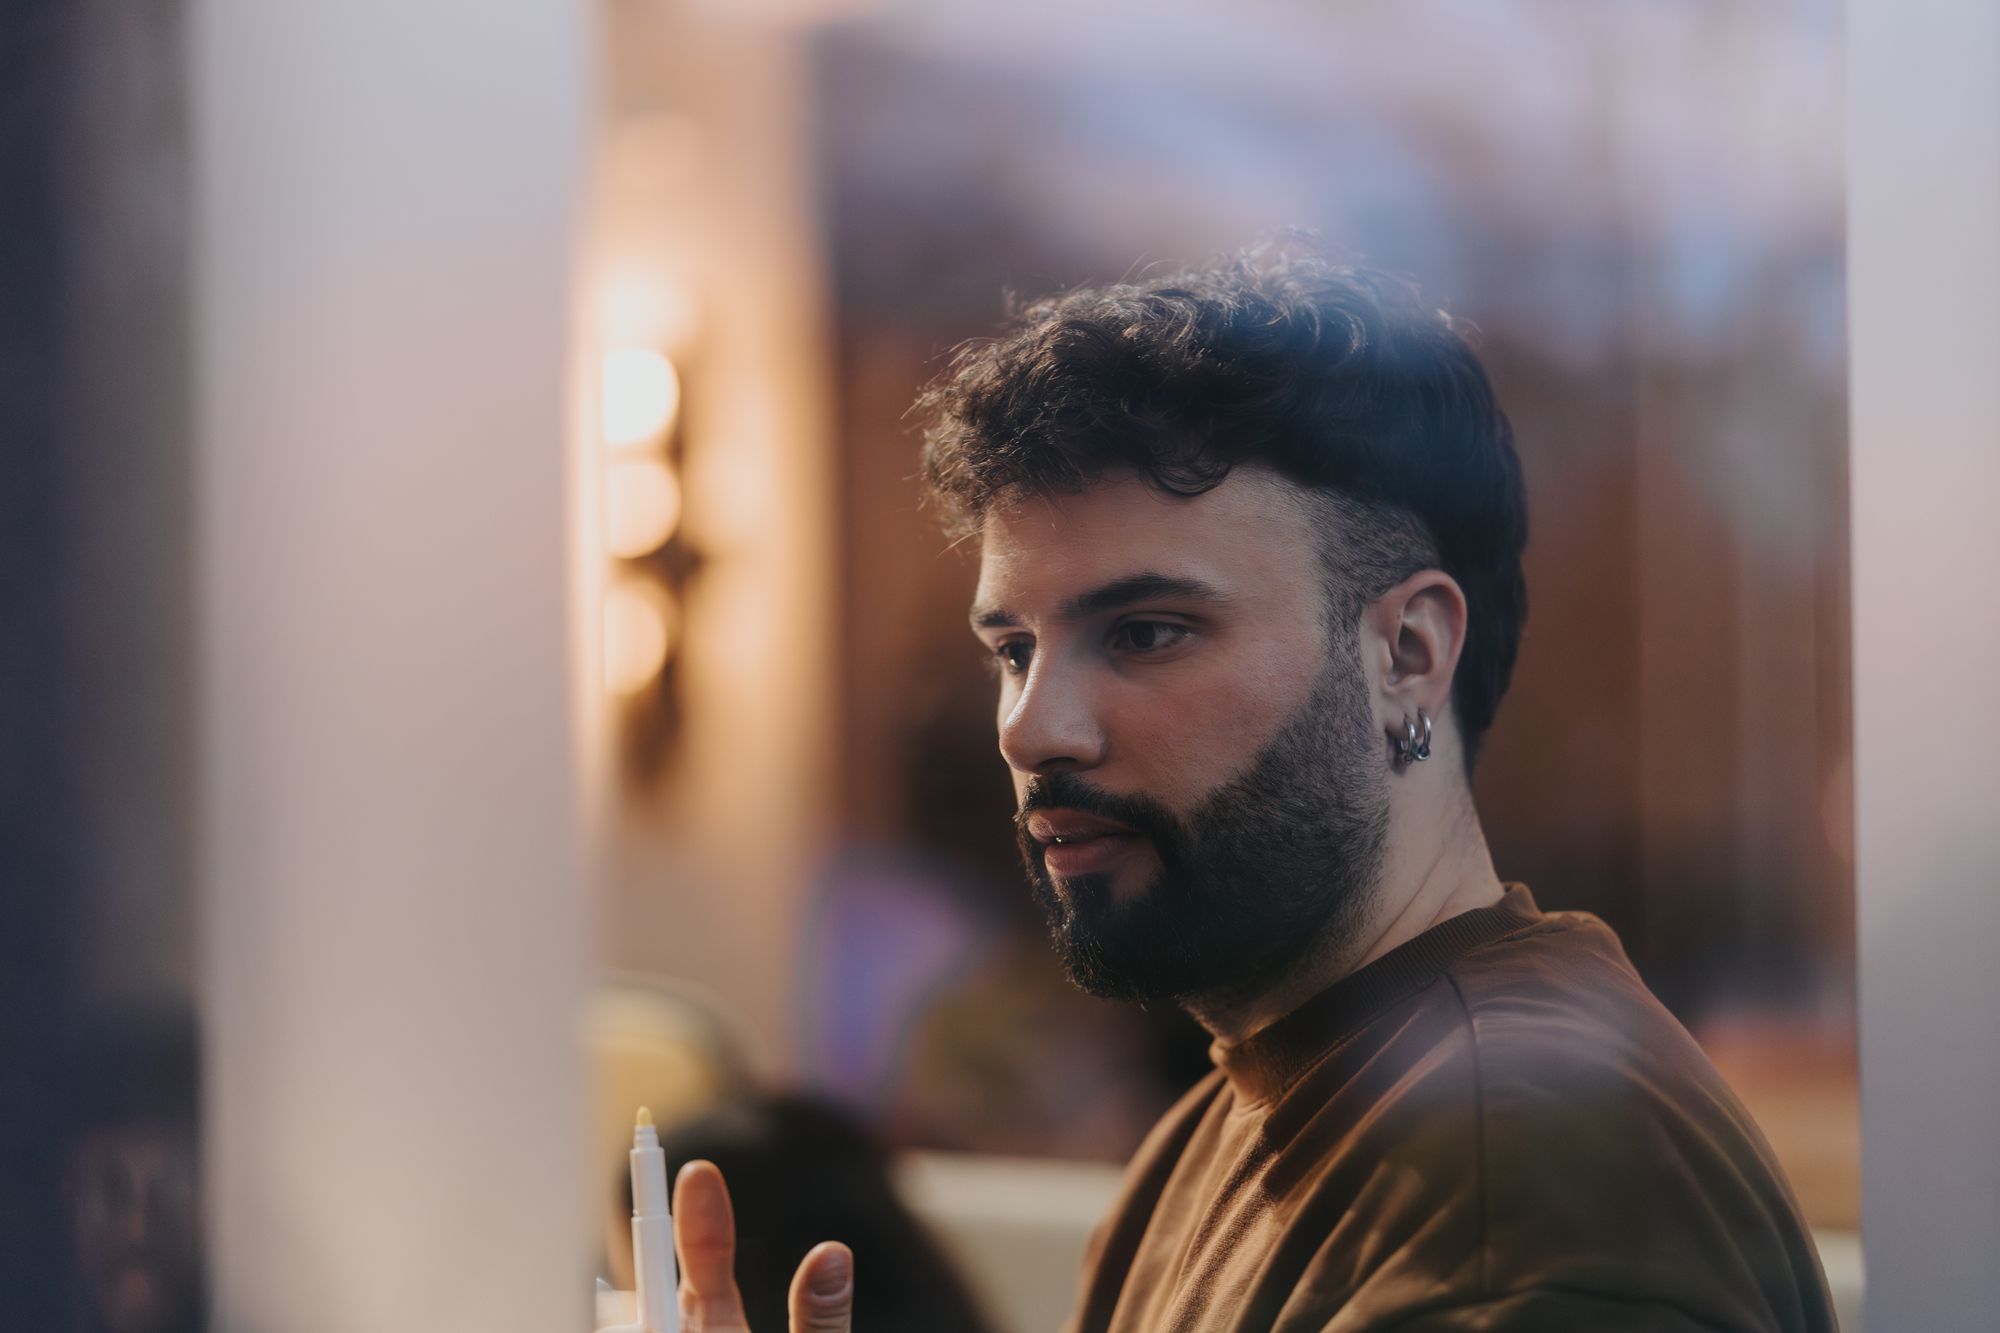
(1191, 741)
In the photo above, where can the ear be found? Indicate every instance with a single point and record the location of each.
(1411, 640)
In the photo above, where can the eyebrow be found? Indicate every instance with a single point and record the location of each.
(1113, 596)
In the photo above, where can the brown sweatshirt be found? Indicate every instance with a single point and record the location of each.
(1494, 1127)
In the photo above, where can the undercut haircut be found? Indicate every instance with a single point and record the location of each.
(1337, 377)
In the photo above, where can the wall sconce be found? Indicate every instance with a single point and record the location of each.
(642, 511)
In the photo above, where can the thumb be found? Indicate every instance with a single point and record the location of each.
(822, 1298)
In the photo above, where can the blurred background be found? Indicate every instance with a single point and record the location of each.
(799, 918)
(1639, 206)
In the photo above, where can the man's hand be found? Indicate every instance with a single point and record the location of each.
(822, 1298)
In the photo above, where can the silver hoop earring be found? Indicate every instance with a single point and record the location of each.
(1414, 746)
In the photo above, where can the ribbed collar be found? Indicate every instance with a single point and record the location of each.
(1269, 1060)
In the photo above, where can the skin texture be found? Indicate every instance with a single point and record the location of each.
(1174, 690)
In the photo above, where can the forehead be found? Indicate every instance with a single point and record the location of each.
(1253, 530)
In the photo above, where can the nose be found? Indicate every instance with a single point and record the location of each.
(1051, 725)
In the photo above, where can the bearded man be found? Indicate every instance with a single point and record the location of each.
(1251, 581)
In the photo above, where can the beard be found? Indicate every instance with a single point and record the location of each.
(1269, 873)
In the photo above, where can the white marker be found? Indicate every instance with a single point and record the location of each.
(652, 1236)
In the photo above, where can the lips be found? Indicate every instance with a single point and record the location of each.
(1075, 843)
(1066, 826)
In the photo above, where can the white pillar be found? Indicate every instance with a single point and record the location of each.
(1924, 281)
(392, 916)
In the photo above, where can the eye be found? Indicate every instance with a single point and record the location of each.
(1147, 636)
(1014, 655)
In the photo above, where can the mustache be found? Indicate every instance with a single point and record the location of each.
(1068, 791)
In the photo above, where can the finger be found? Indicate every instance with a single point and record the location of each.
(822, 1299)
(705, 1238)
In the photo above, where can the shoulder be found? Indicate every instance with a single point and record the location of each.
(1556, 1006)
(1566, 1039)
(1615, 1161)
(1543, 1025)
(1543, 1053)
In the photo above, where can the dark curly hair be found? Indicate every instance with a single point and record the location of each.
(1335, 376)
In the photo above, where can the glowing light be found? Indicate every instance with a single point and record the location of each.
(642, 506)
(637, 635)
(640, 306)
(641, 394)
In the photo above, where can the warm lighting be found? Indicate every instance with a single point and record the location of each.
(642, 506)
(641, 393)
(636, 636)
(639, 305)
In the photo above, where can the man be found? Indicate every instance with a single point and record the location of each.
(1250, 576)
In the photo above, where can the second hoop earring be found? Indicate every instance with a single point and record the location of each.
(1414, 745)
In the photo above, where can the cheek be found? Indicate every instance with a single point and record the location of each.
(1182, 738)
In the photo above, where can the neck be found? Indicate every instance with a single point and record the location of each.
(1435, 865)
